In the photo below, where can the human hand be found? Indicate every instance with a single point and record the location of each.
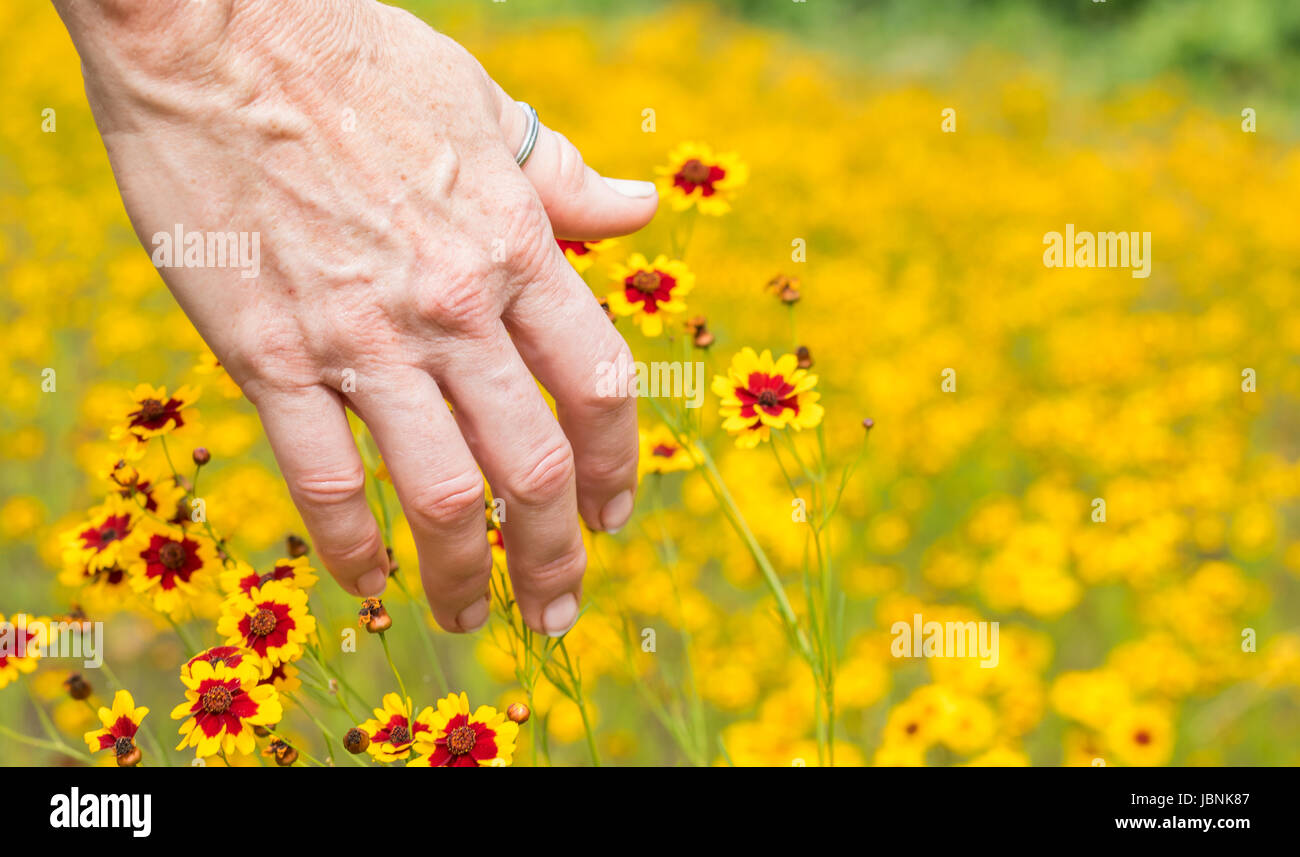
(405, 259)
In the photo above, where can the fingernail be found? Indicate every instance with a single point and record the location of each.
(474, 616)
(372, 583)
(560, 615)
(616, 512)
(631, 187)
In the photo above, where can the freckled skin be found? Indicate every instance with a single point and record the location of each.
(405, 259)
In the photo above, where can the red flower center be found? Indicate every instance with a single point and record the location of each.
(399, 735)
(461, 740)
(695, 171)
(663, 450)
(172, 555)
(1142, 737)
(697, 174)
(113, 528)
(152, 410)
(649, 288)
(263, 622)
(216, 699)
(646, 282)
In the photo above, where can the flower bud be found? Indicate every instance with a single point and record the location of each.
(699, 331)
(518, 712)
(805, 357)
(201, 456)
(78, 687)
(868, 423)
(785, 288)
(284, 754)
(296, 547)
(356, 741)
(373, 617)
(128, 754)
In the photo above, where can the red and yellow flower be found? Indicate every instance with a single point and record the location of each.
(93, 560)
(759, 394)
(231, 656)
(97, 542)
(120, 723)
(271, 620)
(141, 488)
(582, 254)
(460, 739)
(153, 413)
(391, 732)
(697, 176)
(649, 291)
(242, 577)
(24, 639)
(223, 704)
(169, 566)
(662, 453)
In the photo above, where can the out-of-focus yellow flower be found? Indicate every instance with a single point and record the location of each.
(27, 637)
(697, 176)
(662, 453)
(152, 413)
(583, 254)
(1141, 735)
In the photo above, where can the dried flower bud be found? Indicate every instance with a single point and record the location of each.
(78, 687)
(261, 731)
(296, 547)
(128, 754)
(373, 617)
(201, 456)
(699, 331)
(518, 712)
(805, 357)
(284, 754)
(356, 741)
(785, 288)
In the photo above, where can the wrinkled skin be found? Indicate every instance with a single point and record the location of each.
(405, 260)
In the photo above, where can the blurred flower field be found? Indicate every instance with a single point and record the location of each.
(894, 254)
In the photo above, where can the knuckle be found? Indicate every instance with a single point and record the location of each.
(526, 231)
(547, 479)
(460, 302)
(601, 400)
(331, 488)
(571, 170)
(615, 465)
(562, 573)
(354, 551)
(449, 503)
(453, 580)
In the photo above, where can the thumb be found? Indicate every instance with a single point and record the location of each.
(582, 204)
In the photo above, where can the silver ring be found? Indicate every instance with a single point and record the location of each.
(530, 135)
